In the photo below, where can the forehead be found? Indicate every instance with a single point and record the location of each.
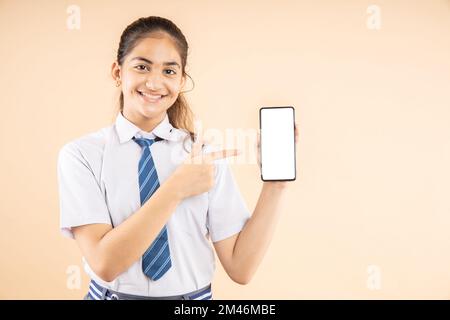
(157, 48)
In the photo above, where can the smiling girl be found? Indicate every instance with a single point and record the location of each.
(142, 208)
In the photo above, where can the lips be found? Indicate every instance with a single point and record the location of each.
(148, 97)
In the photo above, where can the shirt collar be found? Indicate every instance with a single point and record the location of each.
(126, 130)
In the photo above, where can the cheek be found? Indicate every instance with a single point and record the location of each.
(174, 92)
(174, 88)
(130, 81)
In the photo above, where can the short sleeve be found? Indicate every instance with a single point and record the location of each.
(80, 196)
(227, 211)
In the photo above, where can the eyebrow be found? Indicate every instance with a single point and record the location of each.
(168, 63)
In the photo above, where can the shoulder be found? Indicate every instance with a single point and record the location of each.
(87, 148)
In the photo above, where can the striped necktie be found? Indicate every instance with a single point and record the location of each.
(156, 260)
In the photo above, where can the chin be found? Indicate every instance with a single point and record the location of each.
(150, 111)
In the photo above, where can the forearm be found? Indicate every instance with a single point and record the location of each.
(126, 243)
(254, 239)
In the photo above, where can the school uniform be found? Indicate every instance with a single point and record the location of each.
(98, 183)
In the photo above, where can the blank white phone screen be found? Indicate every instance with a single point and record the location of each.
(277, 143)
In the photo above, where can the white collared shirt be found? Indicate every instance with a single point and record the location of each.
(98, 183)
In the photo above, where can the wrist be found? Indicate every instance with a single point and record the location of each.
(275, 185)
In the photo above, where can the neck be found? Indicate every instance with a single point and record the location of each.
(144, 123)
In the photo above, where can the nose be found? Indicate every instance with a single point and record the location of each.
(154, 81)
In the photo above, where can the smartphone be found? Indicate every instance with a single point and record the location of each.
(277, 143)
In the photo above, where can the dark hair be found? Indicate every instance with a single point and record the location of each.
(180, 115)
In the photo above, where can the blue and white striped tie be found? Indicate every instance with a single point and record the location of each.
(156, 260)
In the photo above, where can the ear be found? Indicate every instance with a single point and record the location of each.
(115, 71)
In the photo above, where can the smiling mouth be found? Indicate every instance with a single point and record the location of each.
(150, 97)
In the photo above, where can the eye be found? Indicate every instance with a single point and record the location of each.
(141, 67)
(171, 70)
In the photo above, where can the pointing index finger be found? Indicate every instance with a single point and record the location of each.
(225, 153)
(197, 145)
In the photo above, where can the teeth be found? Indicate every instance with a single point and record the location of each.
(151, 96)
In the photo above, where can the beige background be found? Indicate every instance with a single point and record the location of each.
(373, 108)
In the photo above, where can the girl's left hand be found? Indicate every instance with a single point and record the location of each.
(277, 183)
